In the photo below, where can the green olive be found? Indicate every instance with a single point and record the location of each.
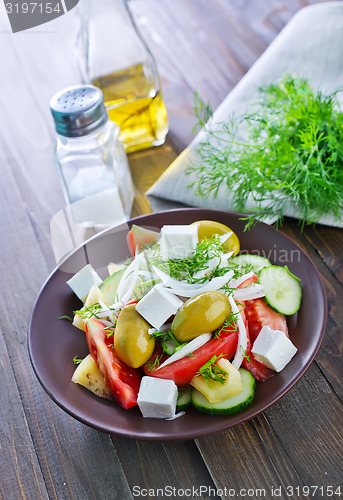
(203, 313)
(132, 342)
(207, 228)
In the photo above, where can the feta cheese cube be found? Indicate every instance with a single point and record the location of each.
(158, 305)
(273, 348)
(178, 242)
(157, 397)
(83, 281)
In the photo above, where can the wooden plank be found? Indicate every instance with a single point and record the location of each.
(165, 468)
(312, 414)
(19, 461)
(248, 457)
(229, 35)
(328, 242)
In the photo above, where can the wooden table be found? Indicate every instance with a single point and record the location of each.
(45, 453)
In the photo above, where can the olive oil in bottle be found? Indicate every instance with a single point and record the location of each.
(136, 104)
(115, 58)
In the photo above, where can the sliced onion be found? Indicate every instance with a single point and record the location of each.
(190, 290)
(254, 291)
(109, 313)
(177, 415)
(224, 259)
(242, 335)
(192, 346)
(211, 264)
(128, 295)
(104, 307)
(125, 280)
(105, 323)
(236, 283)
(224, 237)
(168, 281)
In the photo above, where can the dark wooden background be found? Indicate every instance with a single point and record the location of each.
(199, 45)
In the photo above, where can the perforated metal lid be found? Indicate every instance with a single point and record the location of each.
(78, 110)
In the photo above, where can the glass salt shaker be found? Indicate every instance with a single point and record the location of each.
(117, 60)
(91, 158)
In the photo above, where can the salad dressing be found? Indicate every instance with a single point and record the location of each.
(136, 106)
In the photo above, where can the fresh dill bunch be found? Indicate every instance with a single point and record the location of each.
(291, 155)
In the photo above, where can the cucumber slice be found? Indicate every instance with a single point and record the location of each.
(282, 289)
(110, 285)
(184, 400)
(168, 346)
(249, 262)
(231, 405)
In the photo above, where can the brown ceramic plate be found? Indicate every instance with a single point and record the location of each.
(53, 343)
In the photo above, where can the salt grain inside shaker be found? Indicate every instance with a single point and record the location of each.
(91, 158)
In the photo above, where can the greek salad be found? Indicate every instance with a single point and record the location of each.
(187, 321)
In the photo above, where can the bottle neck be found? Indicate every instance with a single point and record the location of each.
(107, 25)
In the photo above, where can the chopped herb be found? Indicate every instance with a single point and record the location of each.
(245, 355)
(230, 322)
(166, 337)
(155, 363)
(143, 288)
(187, 269)
(89, 311)
(211, 371)
(291, 154)
(77, 360)
(180, 347)
(66, 317)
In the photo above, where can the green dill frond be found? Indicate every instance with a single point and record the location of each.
(210, 371)
(152, 365)
(291, 154)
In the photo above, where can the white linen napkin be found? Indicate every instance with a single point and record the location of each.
(310, 46)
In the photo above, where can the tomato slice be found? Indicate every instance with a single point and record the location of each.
(259, 370)
(140, 236)
(259, 314)
(183, 370)
(123, 380)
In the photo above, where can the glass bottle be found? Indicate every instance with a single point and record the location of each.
(91, 158)
(118, 61)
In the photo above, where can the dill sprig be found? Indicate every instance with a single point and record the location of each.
(77, 360)
(66, 317)
(187, 269)
(89, 311)
(245, 355)
(291, 154)
(210, 371)
(152, 365)
(230, 322)
(168, 336)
